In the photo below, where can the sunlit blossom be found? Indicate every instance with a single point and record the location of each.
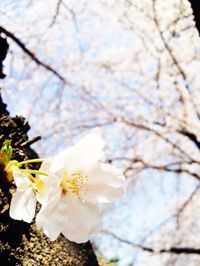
(76, 184)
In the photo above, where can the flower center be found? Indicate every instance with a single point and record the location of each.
(73, 182)
(37, 184)
(9, 169)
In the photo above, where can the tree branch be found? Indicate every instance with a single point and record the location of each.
(56, 13)
(3, 53)
(31, 54)
(174, 250)
(196, 7)
(191, 136)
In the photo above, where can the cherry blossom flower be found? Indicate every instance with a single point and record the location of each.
(76, 185)
(23, 203)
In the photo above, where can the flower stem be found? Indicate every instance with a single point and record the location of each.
(33, 172)
(31, 161)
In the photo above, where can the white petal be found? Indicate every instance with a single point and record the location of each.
(106, 184)
(55, 170)
(51, 216)
(52, 165)
(85, 153)
(82, 220)
(23, 205)
(21, 180)
(51, 187)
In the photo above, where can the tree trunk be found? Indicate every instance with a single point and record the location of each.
(196, 12)
(21, 243)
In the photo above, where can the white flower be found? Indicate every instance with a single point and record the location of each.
(23, 203)
(76, 185)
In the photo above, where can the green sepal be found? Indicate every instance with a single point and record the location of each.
(5, 152)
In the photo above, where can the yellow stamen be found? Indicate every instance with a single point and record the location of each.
(73, 182)
(37, 184)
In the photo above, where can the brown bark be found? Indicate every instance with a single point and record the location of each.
(22, 243)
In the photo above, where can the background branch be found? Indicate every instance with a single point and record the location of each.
(31, 54)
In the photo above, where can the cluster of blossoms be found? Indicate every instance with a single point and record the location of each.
(70, 188)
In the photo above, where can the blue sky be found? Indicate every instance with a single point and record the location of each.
(83, 51)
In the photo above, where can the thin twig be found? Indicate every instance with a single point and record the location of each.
(31, 141)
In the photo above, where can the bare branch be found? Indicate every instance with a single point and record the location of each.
(168, 48)
(31, 141)
(56, 13)
(31, 54)
(191, 136)
(158, 134)
(174, 250)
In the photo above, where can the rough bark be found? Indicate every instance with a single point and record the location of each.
(22, 243)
